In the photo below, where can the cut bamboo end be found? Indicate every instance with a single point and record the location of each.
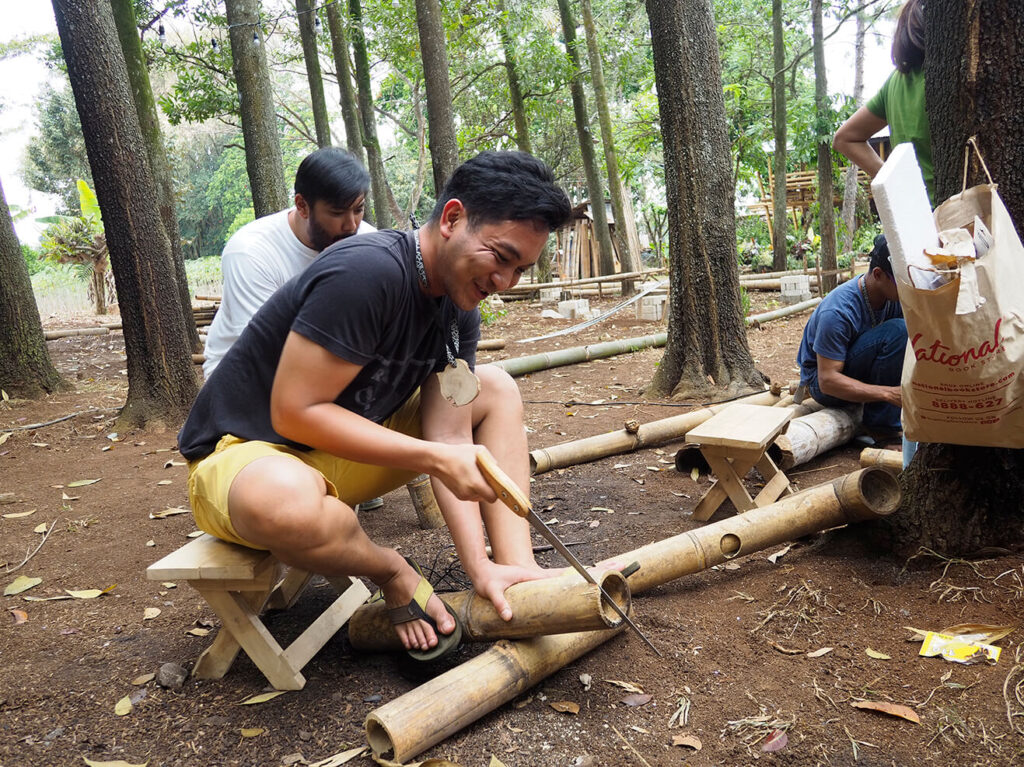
(885, 459)
(867, 494)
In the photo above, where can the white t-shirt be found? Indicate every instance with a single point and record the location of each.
(258, 259)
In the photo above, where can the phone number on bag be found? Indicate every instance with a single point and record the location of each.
(981, 404)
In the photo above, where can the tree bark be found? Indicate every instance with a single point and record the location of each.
(850, 185)
(149, 122)
(826, 211)
(161, 379)
(259, 125)
(378, 180)
(780, 223)
(628, 259)
(959, 499)
(586, 138)
(306, 13)
(349, 107)
(515, 91)
(25, 367)
(707, 342)
(444, 148)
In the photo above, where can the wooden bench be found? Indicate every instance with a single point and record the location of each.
(733, 441)
(239, 583)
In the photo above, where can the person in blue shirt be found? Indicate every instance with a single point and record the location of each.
(853, 345)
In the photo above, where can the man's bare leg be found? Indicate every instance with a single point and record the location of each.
(282, 504)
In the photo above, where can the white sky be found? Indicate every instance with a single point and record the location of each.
(22, 77)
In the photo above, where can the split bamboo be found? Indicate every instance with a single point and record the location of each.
(531, 363)
(886, 459)
(756, 320)
(426, 715)
(811, 435)
(627, 440)
(559, 605)
(865, 494)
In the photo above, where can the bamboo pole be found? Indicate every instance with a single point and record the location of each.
(426, 715)
(533, 287)
(756, 320)
(811, 435)
(490, 344)
(531, 363)
(629, 439)
(559, 605)
(51, 335)
(865, 494)
(748, 276)
(885, 459)
(428, 513)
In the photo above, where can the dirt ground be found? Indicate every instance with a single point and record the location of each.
(735, 638)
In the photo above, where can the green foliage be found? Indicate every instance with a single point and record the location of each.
(744, 301)
(204, 275)
(490, 313)
(32, 260)
(55, 157)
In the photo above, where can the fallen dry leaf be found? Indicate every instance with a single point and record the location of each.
(41, 528)
(84, 482)
(877, 655)
(637, 699)
(565, 707)
(195, 534)
(144, 679)
(150, 613)
(777, 741)
(339, 759)
(694, 473)
(627, 686)
(164, 482)
(687, 741)
(20, 616)
(115, 763)
(20, 584)
(18, 514)
(171, 512)
(124, 706)
(252, 732)
(261, 698)
(892, 709)
(586, 680)
(818, 653)
(198, 632)
(495, 762)
(773, 558)
(66, 497)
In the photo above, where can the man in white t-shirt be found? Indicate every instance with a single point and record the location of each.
(330, 196)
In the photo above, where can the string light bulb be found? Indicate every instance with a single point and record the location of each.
(213, 43)
(316, 22)
(255, 37)
(161, 33)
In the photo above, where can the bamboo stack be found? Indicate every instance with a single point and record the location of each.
(885, 459)
(811, 435)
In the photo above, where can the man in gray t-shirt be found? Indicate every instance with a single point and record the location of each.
(333, 393)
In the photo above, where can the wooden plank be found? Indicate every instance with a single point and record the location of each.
(730, 477)
(209, 557)
(742, 427)
(308, 644)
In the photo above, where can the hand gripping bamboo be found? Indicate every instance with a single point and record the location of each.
(511, 496)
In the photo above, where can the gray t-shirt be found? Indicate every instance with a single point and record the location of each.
(361, 301)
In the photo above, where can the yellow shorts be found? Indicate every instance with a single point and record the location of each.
(210, 478)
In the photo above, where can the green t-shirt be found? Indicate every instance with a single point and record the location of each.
(900, 103)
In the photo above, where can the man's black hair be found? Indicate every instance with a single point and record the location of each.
(333, 175)
(908, 42)
(506, 186)
(880, 256)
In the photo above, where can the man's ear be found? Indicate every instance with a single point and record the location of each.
(302, 206)
(452, 213)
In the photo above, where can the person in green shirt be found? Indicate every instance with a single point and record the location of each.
(899, 104)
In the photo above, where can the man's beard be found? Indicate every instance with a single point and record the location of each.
(319, 236)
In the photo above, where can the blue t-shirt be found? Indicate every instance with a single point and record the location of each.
(361, 301)
(836, 323)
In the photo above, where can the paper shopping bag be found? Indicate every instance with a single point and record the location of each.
(962, 372)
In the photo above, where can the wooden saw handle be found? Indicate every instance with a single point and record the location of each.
(502, 484)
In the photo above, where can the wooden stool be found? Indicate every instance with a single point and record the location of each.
(732, 441)
(238, 582)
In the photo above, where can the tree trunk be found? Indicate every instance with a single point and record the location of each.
(259, 125)
(628, 258)
(850, 185)
(444, 148)
(25, 367)
(99, 289)
(780, 223)
(378, 214)
(706, 335)
(349, 107)
(306, 13)
(149, 122)
(161, 378)
(515, 92)
(959, 499)
(826, 211)
(590, 169)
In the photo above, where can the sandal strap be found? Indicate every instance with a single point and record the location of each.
(416, 609)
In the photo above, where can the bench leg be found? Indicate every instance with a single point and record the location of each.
(289, 590)
(729, 473)
(244, 624)
(215, 661)
(776, 483)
